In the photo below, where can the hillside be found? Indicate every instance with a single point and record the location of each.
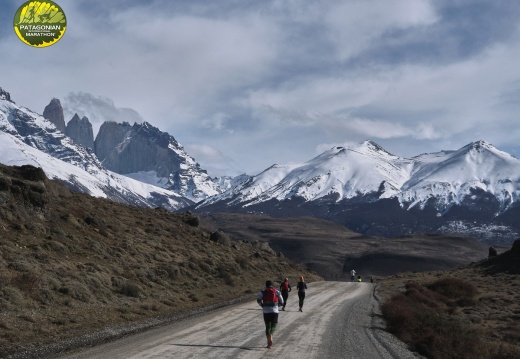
(488, 318)
(72, 264)
(332, 250)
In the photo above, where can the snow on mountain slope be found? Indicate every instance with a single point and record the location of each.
(341, 171)
(104, 184)
(14, 152)
(245, 188)
(345, 172)
(450, 176)
(28, 138)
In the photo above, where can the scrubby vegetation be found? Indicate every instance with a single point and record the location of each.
(421, 317)
(462, 314)
(72, 264)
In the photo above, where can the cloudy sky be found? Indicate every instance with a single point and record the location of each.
(246, 84)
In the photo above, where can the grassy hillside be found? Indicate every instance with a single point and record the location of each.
(470, 312)
(71, 264)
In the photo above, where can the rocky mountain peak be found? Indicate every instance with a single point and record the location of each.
(483, 145)
(80, 130)
(482, 149)
(4, 95)
(144, 152)
(372, 146)
(110, 138)
(54, 113)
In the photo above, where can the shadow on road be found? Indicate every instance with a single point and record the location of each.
(218, 346)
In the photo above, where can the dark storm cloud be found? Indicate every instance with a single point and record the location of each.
(464, 29)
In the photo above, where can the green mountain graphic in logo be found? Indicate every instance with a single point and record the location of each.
(40, 23)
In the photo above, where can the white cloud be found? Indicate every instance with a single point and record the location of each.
(97, 109)
(213, 160)
(217, 122)
(269, 81)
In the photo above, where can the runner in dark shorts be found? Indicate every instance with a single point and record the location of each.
(269, 299)
(301, 286)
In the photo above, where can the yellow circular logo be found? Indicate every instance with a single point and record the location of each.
(40, 23)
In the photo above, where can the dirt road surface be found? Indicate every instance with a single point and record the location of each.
(339, 320)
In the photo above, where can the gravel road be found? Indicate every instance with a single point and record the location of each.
(339, 320)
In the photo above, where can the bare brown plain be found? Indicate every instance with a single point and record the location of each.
(332, 250)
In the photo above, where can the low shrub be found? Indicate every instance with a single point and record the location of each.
(5, 279)
(130, 290)
(223, 271)
(504, 351)
(29, 284)
(194, 297)
(453, 288)
(243, 261)
(420, 318)
(79, 291)
(13, 295)
(64, 290)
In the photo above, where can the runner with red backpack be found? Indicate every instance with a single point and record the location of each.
(285, 288)
(269, 299)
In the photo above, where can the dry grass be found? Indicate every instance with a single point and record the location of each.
(472, 312)
(80, 264)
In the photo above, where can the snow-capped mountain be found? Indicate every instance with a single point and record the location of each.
(367, 169)
(373, 191)
(28, 138)
(342, 172)
(452, 176)
(145, 153)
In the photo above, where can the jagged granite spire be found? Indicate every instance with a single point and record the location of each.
(80, 130)
(54, 113)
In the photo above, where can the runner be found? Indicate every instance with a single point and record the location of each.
(285, 288)
(301, 286)
(269, 299)
(352, 275)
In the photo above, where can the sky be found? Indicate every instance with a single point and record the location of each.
(245, 84)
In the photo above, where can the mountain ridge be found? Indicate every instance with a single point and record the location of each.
(474, 190)
(355, 185)
(365, 167)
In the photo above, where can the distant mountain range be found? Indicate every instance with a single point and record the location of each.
(473, 190)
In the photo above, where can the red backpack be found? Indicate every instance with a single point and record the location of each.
(285, 285)
(270, 295)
